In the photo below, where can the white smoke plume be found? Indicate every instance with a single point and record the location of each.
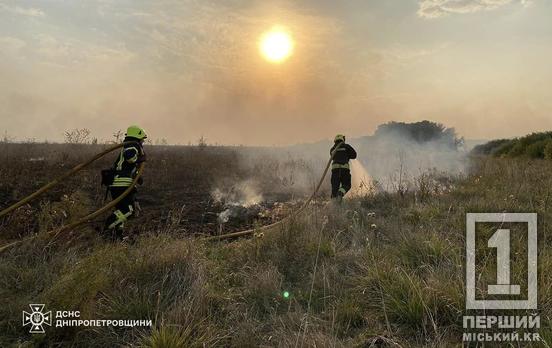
(237, 199)
(390, 160)
(244, 193)
(395, 161)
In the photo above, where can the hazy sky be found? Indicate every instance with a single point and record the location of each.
(187, 68)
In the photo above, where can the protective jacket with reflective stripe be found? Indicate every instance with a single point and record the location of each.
(343, 154)
(126, 164)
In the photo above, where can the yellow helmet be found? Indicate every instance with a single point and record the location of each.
(339, 137)
(136, 132)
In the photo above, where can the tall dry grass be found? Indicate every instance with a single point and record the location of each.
(382, 270)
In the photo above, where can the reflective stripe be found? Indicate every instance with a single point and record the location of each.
(119, 214)
(338, 149)
(342, 190)
(134, 158)
(121, 181)
(121, 160)
(122, 157)
(340, 166)
(121, 218)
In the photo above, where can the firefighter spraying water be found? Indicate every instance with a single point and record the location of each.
(341, 153)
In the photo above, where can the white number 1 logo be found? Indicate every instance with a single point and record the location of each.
(501, 241)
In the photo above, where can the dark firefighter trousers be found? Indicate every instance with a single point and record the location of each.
(123, 211)
(341, 182)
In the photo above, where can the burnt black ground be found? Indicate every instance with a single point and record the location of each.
(178, 182)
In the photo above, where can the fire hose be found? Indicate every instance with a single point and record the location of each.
(58, 180)
(84, 219)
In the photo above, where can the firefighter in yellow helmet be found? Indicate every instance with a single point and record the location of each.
(120, 177)
(341, 173)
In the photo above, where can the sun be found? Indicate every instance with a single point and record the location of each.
(276, 45)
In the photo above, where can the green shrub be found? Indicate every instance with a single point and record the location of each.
(490, 147)
(548, 150)
(519, 148)
(532, 146)
(504, 149)
(536, 150)
(421, 132)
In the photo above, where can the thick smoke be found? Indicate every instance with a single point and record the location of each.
(394, 159)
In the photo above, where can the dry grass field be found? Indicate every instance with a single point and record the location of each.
(385, 269)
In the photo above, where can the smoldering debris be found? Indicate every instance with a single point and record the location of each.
(243, 203)
(244, 193)
(240, 201)
(238, 212)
